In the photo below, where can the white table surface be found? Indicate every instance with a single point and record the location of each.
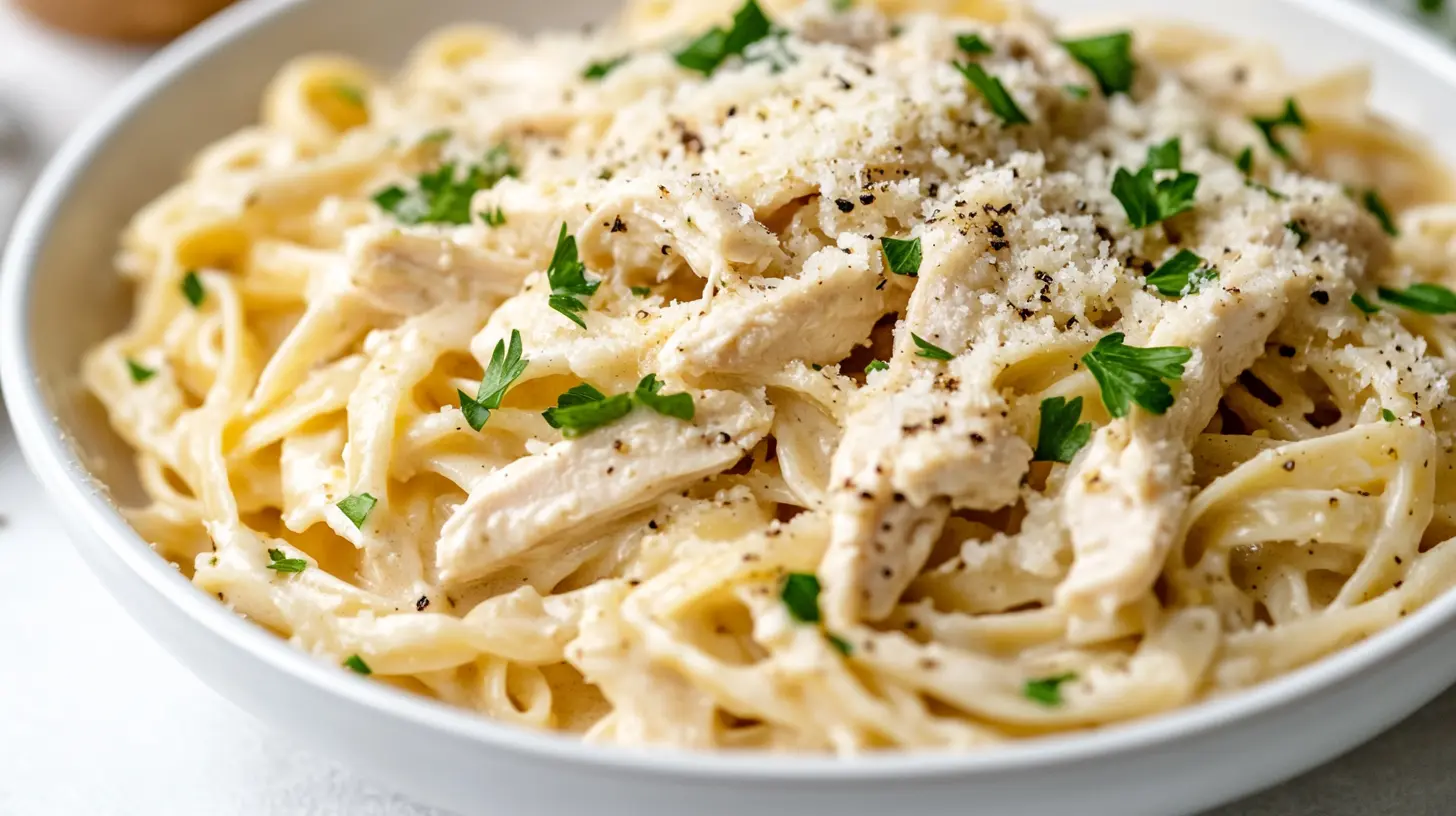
(95, 719)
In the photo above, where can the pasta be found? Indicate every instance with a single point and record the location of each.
(824, 377)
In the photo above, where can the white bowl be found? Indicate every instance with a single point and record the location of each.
(58, 296)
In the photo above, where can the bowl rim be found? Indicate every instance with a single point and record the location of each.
(66, 480)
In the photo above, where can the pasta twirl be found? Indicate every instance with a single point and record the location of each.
(815, 377)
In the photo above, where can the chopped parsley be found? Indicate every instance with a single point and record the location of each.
(1060, 436)
(139, 372)
(494, 218)
(1182, 274)
(443, 196)
(192, 289)
(1289, 117)
(350, 93)
(993, 92)
(1301, 234)
(1147, 199)
(1245, 161)
(1108, 57)
(929, 350)
(505, 367)
(840, 644)
(877, 365)
(567, 276)
(642, 291)
(278, 562)
(598, 70)
(1363, 305)
(709, 51)
(800, 593)
(1387, 414)
(1078, 91)
(1048, 690)
(841, 5)
(1376, 206)
(357, 663)
(437, 136)
(357, 508)
(1127, 374)
(972, 44)
(678, 405)
(903, 256)
(583, 409)
(1166, 156)
(1431, 6)
(1430, 298)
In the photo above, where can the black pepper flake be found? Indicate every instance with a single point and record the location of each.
(422, 603)
(881, 284)
(1320, 296)
(867, 198)
(996, 229)
(844, 205)
(933, 190)
(999, 245)
(724, 438)
(652, 524)
(1286, 351)
(1289, 464)
(618, 226)
(666, 249)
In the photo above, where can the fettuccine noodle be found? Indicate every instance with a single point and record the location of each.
(843, 515)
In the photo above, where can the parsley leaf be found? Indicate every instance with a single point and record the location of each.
(1048, 690)
(1078, 91)
(139, 372)
(1245, 161)
(494, 218)
(598, 70)
(505, 367)
(357, 508)
(567, 276)
(642, 291)
(1130, 374)
(877, 365)
(440, 196)
(1363, 305)
(1060, 436)
(192, 289)
(1376, 206)
(1148, 200)
(840, 644)
(583, 409)
(903, 256)
(707, 52)
(1430, 298)
(928, 350)
(1431, 6)
(1182, 274)
(994, 93)
(1166, 156)
(357, 663)
(678, 405)
(1289, 117)
(475, 413)
(841, 5)
(800, 593)
(1108, 57)
(1300, 233)
(281, 563)
(972, 44)
(1387, 414)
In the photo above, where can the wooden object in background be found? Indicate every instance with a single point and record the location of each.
(132, 20)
